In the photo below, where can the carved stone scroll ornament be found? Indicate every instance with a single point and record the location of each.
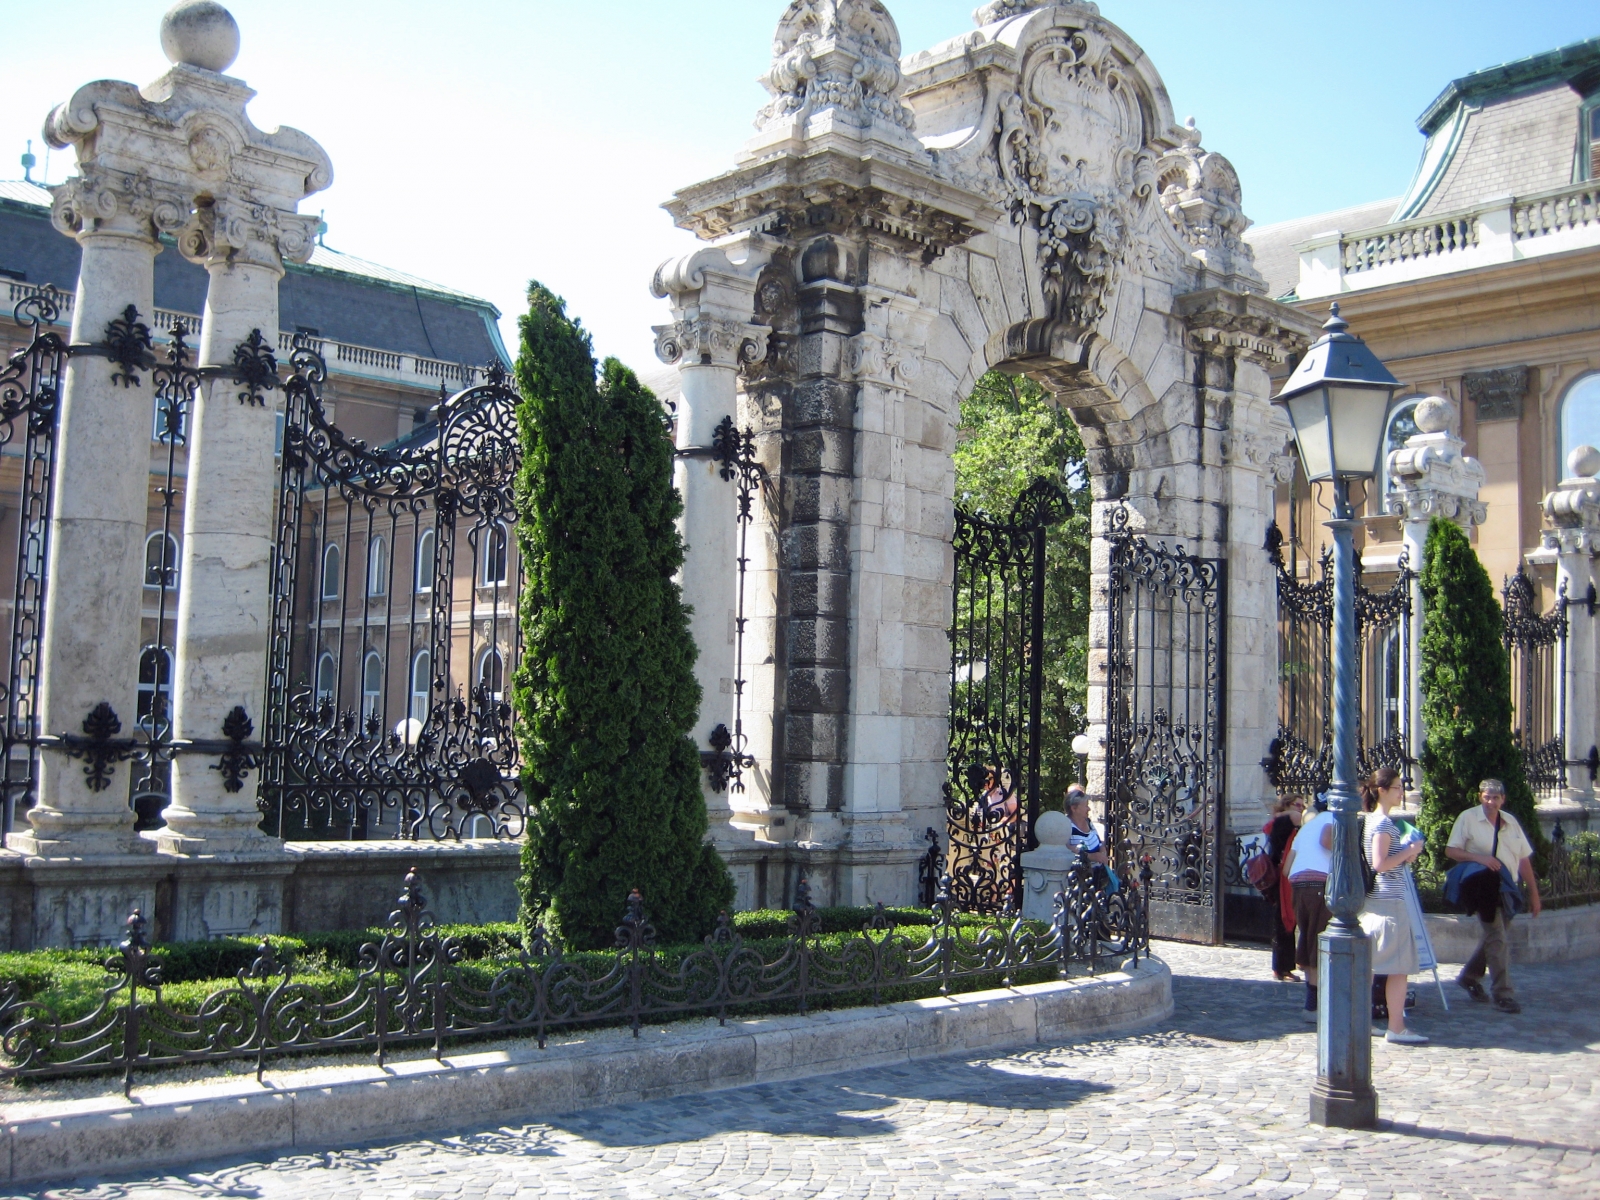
(1072, 160)
(96, 197)
(1431, 475)
(1200, 192)
(838, 54)
(248, 231)
(1498, 394)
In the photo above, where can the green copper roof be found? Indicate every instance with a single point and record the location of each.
(1577, 65)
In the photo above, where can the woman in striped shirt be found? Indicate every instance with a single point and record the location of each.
(1387, 919)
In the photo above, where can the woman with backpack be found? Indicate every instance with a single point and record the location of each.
(1387, 917)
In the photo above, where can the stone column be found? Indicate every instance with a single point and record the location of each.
(128, 190)
(1431, 478)
(243, 233)
(711, 338)
(1572, 512)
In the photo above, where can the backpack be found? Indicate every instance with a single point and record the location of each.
(1262, 873)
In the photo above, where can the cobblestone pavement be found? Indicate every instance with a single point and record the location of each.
(1211, 1104)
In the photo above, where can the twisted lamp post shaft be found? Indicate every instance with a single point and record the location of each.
(1343, 1094)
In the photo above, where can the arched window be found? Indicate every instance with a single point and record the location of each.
(1580, 416)
(160, 561)
(426, 543)
(491, 673)
(331, 572)
(1401, 426)
(155, 687)
(421, 686)
(327, 677)
(496, 552)
(371, 683)
(377, 567)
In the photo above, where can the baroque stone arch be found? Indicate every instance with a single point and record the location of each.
(1018, 197)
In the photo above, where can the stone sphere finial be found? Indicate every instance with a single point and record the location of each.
(1053, 828)
(1435, 415)
(1583, 463)
(200, 33)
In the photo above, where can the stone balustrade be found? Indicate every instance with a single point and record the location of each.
(1499, 231)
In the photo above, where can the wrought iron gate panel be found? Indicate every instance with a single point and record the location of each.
(30, 396)
(1300, 759)
(395, 586)
(1536, 647)
(991, 789)
(1165, 757)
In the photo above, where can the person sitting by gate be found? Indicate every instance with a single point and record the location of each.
(1085, 839)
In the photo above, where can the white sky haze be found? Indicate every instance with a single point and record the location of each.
(488, 142)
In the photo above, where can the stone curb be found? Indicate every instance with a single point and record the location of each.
(1556, 935)
(349, 1105)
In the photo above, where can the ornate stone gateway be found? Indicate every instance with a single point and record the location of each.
(1022, 197)
(991, 795)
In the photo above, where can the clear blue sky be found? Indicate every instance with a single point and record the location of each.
(487, 142)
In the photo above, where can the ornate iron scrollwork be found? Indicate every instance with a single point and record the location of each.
(1164, 737)
(255, 368)
(1535, 644)
(996, 691)
(735, 453)
(238, 759)
(99, 746)
(128, 346)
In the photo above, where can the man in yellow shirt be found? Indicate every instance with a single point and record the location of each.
(1493, 839)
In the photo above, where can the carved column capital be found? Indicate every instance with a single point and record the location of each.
(1572, 516)
(246, 231)
(1431, 476)
(714, 341)
(101, 200)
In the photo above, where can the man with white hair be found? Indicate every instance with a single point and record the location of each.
(1492, 839)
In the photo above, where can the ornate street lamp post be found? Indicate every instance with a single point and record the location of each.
(1338, 402)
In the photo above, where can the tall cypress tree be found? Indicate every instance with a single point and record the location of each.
(606, 693)
(1466, 691)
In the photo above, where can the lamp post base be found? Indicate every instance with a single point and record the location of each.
(1343, 1109)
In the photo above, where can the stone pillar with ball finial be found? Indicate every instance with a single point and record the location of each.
(1430, 477)
(1572, 533)
(245, 227)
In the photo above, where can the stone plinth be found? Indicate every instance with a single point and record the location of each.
(1045, 870)
(303, 887)
(1572, 535)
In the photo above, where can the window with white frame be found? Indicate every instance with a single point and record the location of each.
(496, 555)
(154, 688)
(332, 570)
(377, 567)
(327, 677)
(427, 543)
(371, 684)
(421, 686)
(1580, 416)
(160, 560)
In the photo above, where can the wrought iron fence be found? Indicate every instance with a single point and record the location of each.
(1536, 644)
(1164, 734)
(30, 397)
(415, 986)
(1574, 871)
(1300, 759)
(991, 790)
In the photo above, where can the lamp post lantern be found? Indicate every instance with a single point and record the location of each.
(1338, 402)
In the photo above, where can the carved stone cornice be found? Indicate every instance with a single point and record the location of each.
(712, 341)
(1431, 476)
(1245, 325)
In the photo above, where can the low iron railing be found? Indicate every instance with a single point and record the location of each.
(417, 986)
